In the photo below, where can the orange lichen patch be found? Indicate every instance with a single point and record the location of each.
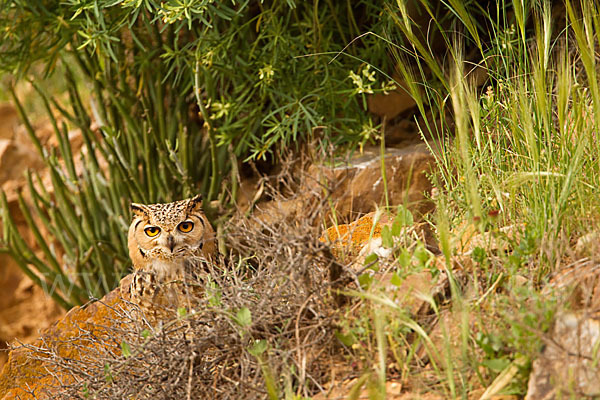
(350, 238)
(27, 375)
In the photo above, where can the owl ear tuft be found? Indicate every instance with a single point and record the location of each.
(195, 203)
(139, 210)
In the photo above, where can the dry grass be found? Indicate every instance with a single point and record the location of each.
(263, 325)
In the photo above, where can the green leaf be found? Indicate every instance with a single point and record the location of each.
(496, 364)
(365, 280)
(421, 254)
(214, 299)
(404, 258)
(403, 217)
(259, 347)
(145, 333)
(346, 339)
(243, 317)
(125, 349)
(396, 228)
(107, 374)
(182, 312)
(479, 255)
(213, 294)
(386, 237)
(371, 258)
(396, 280)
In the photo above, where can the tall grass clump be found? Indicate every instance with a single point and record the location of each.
(172, 99)
(523, 143)
(517, 159)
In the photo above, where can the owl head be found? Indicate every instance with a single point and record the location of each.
(169, 232)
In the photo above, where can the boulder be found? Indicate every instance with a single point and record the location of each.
(24, 307)
(579, 285)
(391, 104)
(401, 133)
(351, 188)
(30, 373)
(358, 187)
(466, 238)
(588, 245)
(8, 120)
(353, 238)
(16, 158)
(568, 368)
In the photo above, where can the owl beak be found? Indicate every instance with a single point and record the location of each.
(171, 242)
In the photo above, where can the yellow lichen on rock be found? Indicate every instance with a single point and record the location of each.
(350, 238)
(29, 372)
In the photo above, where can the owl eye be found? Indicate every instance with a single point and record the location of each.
(152, 231)
(186, 226)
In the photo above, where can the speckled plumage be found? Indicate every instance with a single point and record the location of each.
(168, 215)
(164, 252)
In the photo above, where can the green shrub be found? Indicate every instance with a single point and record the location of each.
(170, 97)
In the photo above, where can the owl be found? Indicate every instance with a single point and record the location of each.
(167, 243)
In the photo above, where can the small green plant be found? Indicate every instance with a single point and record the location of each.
(258, 349)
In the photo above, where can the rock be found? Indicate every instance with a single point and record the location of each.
(352, 188)
(249, 192)
(5, 145)
(413, 290)
(478, 75)
(352, 243)
(436, 127)
(28, 376)
(361, 238)
(8, 120)
(44, 131)
(390, 105)
(567, 367)
(49, 139)
(276, 211)
(467, 238)
(10, 275)
(588, 245)
(351, 239)
(444, 338)
(374, 246)
(402, 132)
(25, 308)
(15, 159)
(579, 285)
(358, 187)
